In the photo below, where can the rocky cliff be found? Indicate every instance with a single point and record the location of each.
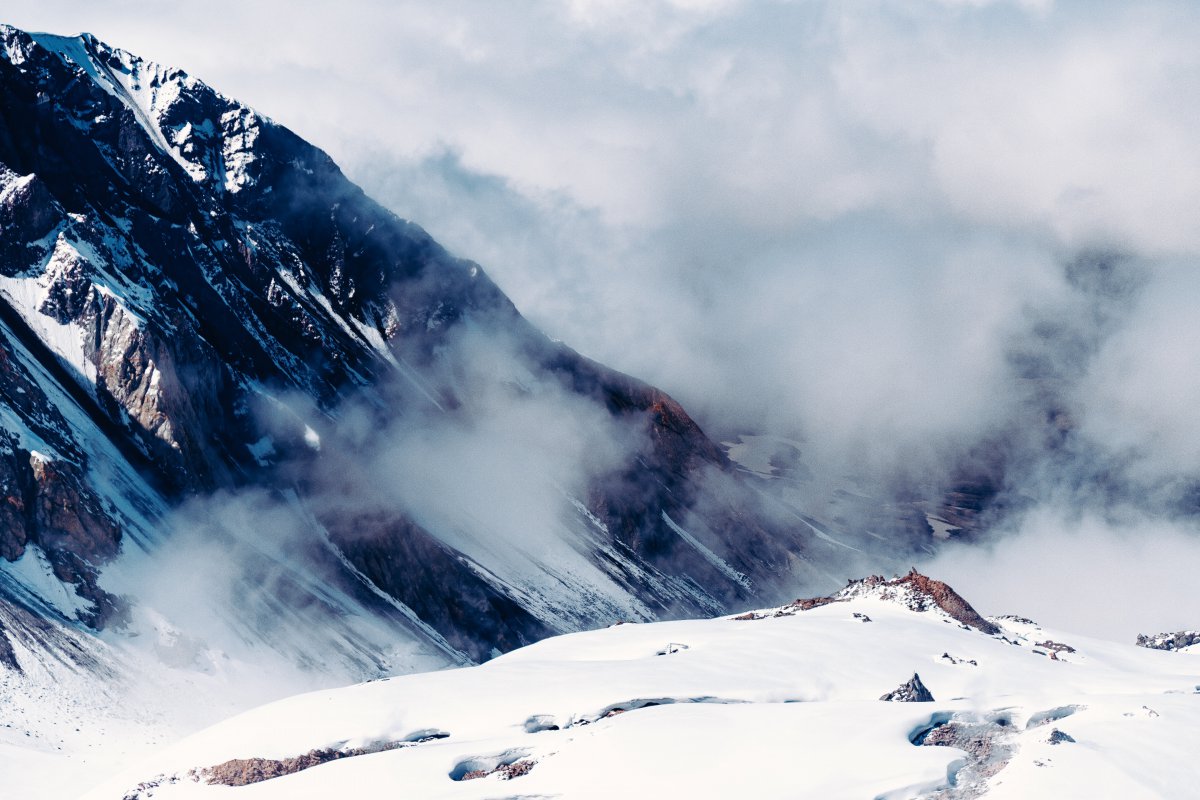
(193, 300)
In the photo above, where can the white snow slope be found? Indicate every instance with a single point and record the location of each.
(783, 704)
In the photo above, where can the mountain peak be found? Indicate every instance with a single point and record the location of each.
(207, 134)
(180, 273)
(914, 591)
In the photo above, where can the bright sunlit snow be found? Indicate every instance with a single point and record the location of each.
(778, 704)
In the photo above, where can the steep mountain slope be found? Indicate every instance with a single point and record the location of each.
(208, 335)
(780, 703)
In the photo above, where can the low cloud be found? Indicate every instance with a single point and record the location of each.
(856, 225)
(1109, 576)
(494, 472)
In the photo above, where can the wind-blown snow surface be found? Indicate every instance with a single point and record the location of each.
(781, 703)
(81, 704)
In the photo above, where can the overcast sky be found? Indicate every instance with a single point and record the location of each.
(837, 221)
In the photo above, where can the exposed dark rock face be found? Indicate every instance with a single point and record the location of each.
(44, 639)
(7, 657)
(475, 617)
(912, 691)
(14, 531)
(69, 516)
(965, 504)
(49, 504)
(1169, 641)
(174, 266)
(1058, 737)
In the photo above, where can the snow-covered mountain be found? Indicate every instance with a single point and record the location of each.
(251, 419)
(886, 689)
(193, 299)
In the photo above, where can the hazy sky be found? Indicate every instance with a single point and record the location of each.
(844, 221)
(777, 210)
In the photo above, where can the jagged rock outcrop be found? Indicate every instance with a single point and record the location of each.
(1059, 737)
(911, 691)
(1169, 641)
(48, 503)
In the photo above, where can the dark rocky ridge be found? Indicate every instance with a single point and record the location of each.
(173, 263)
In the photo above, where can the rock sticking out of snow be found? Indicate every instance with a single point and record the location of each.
(987, 742)
(727, 718)
(1058, 737)
(506, 771)
(914, 591)
(245, 771)
(953, 660)
(913, 691)
(1169, 641)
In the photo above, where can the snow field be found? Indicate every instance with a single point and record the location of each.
(776, 707)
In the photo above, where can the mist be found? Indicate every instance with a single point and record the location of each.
(1096, 575)
(497, 471)
(480, 451)
(242, 603)
(925, 240)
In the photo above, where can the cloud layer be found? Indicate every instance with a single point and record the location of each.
(850, 223)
